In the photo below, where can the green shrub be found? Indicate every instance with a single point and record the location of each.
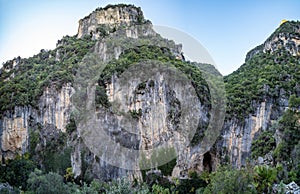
(190, 185)
(34, 139)
(264, 178)
(263, 144)
(229, 180)
(101, 98)
(36, 73)
(16, 171)
(71, 126)
(136, 114)
(121, 186)
(41, 183)
(157, 189)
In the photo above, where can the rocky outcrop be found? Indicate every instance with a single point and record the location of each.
(146, 112)
(237, 135)
(54, 109)
(6, 188)
(114, 16)
(14, 138)
(291, 188)
(266, 160)
(286, 36)
(290, 42)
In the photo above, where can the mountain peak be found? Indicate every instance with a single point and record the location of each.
(111, 15)
(286, 36)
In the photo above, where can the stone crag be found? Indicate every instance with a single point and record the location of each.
(126, 26)
(237, 136)
(114, 16)
(54, 109)
(156, 106)
(287, 37)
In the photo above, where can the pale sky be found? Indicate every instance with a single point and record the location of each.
(227, 29)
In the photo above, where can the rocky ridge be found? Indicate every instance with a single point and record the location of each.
(287, 37)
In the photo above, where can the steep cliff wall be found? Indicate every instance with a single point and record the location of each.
(237, 136)
(54, 109)
(54, 106)
(152, 105)
(262, 87)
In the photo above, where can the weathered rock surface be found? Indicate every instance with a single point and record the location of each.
(54, 109)
(237, 136)
(159, 105)
(291, 188)
(114, 16)
(6, 188)
(289, 41)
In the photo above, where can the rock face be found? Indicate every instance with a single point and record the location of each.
(54, 109)
(237, 136)
(291, 188)
(114, 16)
(156, 101)
(288, 41)
(6, 188)
(286, 37)
(165, 112)
(156, 106)
(14, 133)
(151, 99)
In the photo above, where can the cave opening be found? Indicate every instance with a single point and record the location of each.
(207, 162)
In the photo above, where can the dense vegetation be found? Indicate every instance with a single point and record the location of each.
(265, 77)
(225, 180)
(271, 77)
(289, 27)
(263, 144)
(25, 83)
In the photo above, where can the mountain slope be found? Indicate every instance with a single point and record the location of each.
(119, 67)
(39, 95)
(258, 93)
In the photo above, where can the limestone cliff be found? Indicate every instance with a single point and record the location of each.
(237, 136)
(286, 36)
(263, 71)
(54, 109)
(156, 108)
(111, 15)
